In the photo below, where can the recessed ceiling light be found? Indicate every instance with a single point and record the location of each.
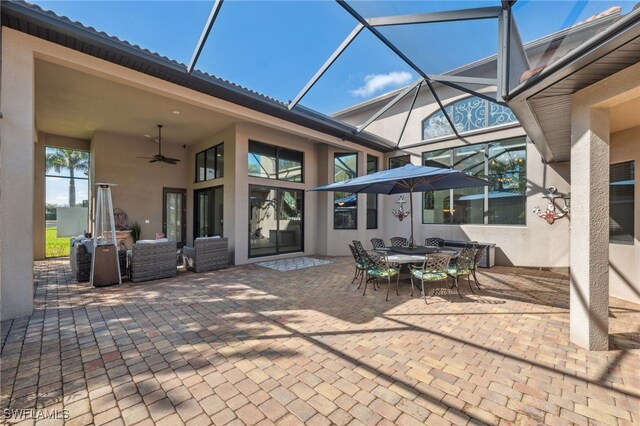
(176, 112)
(147, 136)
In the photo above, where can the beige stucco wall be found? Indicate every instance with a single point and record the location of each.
(624, 259)
(17, 137)
(227, 181)
(140, 183)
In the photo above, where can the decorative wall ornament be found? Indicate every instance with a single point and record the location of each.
(401, 213)
(551, 214)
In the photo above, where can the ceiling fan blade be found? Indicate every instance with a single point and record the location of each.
(175, 160)
(146, 158)
(153, 161)
(170, 161)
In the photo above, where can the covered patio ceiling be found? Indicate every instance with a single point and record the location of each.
(75, 104)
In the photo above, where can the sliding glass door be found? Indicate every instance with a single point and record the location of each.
(208, 212)
(275, 221)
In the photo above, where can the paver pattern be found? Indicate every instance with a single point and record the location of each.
(250, 345)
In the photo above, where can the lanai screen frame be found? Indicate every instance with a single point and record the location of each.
(512, 59)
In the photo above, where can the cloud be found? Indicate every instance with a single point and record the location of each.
(376, 82)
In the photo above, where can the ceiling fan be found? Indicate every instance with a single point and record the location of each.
(159, 157)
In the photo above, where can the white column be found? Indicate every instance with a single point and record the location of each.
(589, 235)
(16, 179)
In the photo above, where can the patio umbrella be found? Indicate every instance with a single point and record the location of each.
(406, 179)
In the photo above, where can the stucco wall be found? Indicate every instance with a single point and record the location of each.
(624, 259)
(17, 137)
(140, 183)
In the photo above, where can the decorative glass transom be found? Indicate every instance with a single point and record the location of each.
(468, 115)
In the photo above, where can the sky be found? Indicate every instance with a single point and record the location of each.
(275, 47)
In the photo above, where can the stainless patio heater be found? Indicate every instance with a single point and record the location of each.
(105, 264)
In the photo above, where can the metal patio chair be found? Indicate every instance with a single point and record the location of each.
(399, 242)
(377, 243)
(434, 268)
(360, 268)
(461, 266)
(378, 266)
(434, 242)
(476, 260)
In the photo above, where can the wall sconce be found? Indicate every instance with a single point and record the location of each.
(551, 214)
(401, 213)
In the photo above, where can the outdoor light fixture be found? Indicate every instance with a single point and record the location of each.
(551, 215)
(401, 213)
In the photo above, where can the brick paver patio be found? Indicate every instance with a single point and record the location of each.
(251, 345)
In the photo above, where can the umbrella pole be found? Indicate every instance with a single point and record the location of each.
(412, 242)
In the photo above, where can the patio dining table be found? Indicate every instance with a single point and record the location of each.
(403, 255)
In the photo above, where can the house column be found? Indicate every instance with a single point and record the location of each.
(16, 178)
(589, 234)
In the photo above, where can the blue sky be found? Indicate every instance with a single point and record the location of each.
(274, 47)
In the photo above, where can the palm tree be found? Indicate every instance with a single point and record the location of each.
(72, 160)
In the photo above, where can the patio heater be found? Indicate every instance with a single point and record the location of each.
(105, 264)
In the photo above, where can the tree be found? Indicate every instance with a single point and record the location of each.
(72, 160)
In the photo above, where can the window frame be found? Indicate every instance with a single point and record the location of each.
(215, 156)
(450, 107)
(630, 241)
(398, 158)
(376, 160)
(486, 213)
(277, 162)
(336, 155)
(277, 215)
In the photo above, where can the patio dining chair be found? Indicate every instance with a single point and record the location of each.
(462, 265)
(480, 250)
(434, 242)
(377, 243)
(433, 269)
(378, 266)
(360, 266)
(399, 242)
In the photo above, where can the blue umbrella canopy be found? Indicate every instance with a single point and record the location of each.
(406, 179)
(409, 178)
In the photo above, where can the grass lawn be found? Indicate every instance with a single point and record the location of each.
(54, 246)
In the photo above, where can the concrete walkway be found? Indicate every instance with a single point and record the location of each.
(252, 345)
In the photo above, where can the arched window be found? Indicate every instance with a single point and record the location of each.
(468, 115)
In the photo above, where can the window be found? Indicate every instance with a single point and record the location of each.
(67, 195)
(468, 115)
(503, 202)
(345, 204)
(272, 162)
(372, 199)
(396, 162)
(208, 212)
(275, 220)
(621, 202)
(210, 164)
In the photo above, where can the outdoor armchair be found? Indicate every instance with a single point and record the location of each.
(152, 260)
(434, 268)
(207, 254)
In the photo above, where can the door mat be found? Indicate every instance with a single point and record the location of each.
(294, 263)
